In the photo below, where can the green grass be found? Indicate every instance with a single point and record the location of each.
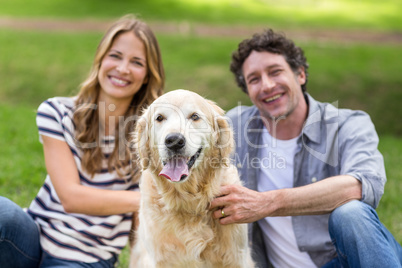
(344, 14)
(362, 77)
(389, 209)
(22, 169)
(36, 65)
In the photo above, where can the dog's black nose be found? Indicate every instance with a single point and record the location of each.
(175, 141)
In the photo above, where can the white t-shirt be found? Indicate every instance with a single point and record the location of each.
(277, 173)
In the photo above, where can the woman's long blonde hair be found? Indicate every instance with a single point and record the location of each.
(87, 120)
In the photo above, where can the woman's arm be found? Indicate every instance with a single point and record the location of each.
(77, 198)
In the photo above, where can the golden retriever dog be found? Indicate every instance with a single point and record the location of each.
(183, 144)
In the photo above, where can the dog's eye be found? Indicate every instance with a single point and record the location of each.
(194, 117)
(159, 118)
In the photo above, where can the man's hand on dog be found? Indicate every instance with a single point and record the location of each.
(241, 205)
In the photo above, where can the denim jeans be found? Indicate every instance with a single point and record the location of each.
(19, 237)
(52, 262)
(360, 239)
(20, 246)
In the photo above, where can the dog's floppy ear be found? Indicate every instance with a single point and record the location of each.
(141, 139)
(223, 134)
(225, 140)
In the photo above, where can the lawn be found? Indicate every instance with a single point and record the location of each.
(335, 14)
(36, 65)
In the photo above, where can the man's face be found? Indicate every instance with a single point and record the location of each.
(272, 85)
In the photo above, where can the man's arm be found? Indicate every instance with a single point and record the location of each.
(242, 205)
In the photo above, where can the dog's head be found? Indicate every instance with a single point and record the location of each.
(181, 132)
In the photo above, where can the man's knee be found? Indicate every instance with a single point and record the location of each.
(352, 211)
(354, 216)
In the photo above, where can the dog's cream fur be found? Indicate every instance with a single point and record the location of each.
(176, 229)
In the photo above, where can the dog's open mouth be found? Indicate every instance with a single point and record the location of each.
(177, 168)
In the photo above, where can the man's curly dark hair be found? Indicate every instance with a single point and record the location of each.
(271, 42)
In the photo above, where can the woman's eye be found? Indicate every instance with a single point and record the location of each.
(139, 63)
(114, 56)
(159, 118)
(195, 117)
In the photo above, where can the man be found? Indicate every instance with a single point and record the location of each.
(312, 173)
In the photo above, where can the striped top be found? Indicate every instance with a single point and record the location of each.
(70, 236)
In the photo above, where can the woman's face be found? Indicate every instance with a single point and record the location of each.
(123, 69)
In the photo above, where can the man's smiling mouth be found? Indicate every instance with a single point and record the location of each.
(277, 96)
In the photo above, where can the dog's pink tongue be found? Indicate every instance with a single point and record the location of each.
(174, 169)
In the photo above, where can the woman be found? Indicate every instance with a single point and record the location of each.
(85, 206)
